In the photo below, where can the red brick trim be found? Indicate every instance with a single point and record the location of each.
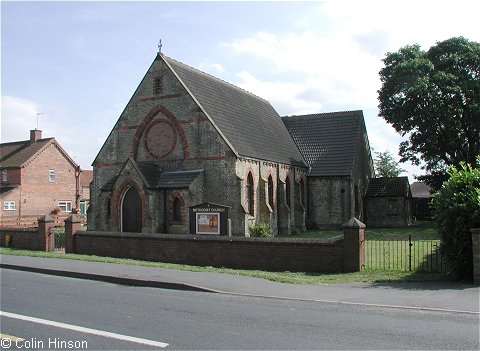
(146, 121)
(155, 98)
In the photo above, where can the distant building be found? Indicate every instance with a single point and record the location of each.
(38, 178)
(86, 178)
(388, 202)
(422, 195)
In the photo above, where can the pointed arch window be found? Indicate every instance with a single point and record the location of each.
(270, 191)
(250, 197)
(287, 191)
(302, 192)
(177, 209)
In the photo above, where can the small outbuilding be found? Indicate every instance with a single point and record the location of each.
(388, 202)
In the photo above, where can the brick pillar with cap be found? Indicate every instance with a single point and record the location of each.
(353, 245)
(72, 225)
(46, 234)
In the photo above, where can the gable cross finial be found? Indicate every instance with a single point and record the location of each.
(160, 46)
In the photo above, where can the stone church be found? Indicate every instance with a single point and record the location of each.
(187, 138)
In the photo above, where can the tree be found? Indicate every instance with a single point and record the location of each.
(386, 166)
(456, 209)
(434, 97)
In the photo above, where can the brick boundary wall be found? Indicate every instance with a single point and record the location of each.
(476, 254)
(41, 238)
(296, 255)
(272, 254)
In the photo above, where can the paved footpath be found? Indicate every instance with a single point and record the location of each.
(447, 296)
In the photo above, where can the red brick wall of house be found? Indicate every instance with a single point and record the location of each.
(37, 196)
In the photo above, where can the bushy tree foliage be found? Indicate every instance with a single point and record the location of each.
(260, 230)
(456, 210)
(386, 166)
(433, 97)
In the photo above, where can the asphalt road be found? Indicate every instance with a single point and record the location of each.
(197, 320)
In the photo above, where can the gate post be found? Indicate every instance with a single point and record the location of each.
(353, 245)
(72, 225)
(46, 234)
(476, 254)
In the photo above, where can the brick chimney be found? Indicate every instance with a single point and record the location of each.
(35, 135)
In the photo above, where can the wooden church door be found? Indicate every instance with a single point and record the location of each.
(132, 211)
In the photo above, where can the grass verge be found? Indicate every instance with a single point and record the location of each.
(366, 276)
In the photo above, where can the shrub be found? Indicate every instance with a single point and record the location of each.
(456, 209)
(260, 230)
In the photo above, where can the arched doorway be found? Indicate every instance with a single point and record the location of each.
(131, 211)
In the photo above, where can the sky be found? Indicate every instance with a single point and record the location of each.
(77, 64)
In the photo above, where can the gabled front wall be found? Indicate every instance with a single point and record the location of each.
(37, 196)
(148, 125)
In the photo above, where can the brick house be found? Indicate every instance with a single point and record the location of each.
(336, 148)
(186, 138)
(37, 176)
(86, 177)
(388, 202)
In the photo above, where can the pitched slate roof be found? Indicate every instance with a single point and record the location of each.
(395, 186)
(329, 142)
(158, 179)
(248, 123)
(17, 154)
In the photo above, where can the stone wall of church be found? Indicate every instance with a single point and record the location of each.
(273, 209)
(329, 201)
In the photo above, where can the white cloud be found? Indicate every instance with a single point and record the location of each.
(18, 116)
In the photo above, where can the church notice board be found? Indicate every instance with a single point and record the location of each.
(209, 219)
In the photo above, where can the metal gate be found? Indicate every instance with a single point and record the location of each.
(404, 255)
(59, 239)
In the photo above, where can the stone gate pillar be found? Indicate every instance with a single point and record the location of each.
(72, 225)
(46, 234)
(353, 245)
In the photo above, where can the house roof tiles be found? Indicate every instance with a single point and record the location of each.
(17, 154)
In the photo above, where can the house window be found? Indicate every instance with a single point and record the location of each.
(250, 198)
(287, 191)
(52, 176)
(4, 175)
(270, 191)
(65, 206)
(9, 205)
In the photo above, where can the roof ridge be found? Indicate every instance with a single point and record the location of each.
(217, 79)
(337, 113)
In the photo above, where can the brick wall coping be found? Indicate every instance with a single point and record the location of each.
(146, 236)
(18, 230)
(475, 230)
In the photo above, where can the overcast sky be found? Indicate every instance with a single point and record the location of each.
(79, 63)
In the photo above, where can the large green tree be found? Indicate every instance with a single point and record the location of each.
(433, 97)
(386, 166)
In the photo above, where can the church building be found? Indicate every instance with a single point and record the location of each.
(187, 138)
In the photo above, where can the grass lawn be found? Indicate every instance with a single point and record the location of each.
(419, 231)
(366, 276)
